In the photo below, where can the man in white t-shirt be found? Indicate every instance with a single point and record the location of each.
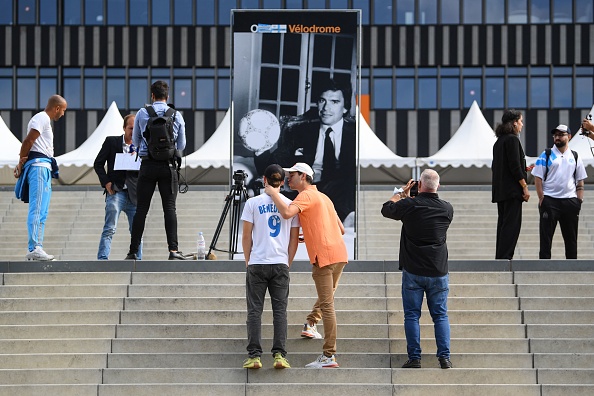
(269, 246)
(35, 170)
(559, 175)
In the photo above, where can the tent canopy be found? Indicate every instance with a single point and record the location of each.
(9, 154)
(76, 167)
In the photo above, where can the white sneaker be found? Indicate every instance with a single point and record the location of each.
(310, 331)
(38, 255)
(323, 361)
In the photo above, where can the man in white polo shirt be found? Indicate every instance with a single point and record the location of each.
(559, 176)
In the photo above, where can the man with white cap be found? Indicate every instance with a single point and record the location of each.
(322, 231)
(559, 175)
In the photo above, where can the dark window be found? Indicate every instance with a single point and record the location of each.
(272, 4)
(405, 93)
(294, 4)
(26, 93)
(382, 93)
(138, 93)
(116, 91)
(584, 96)
(472, 91)
(363, 5)
(562, 92)
(563, 11)
(450, 93)
(540, 92)
(204, 93)
(224, 86)
(72, 88)
(225, 7)
(182, 93)
(339, 4)
(249, 4)
(516, 92)
(6, 86)
(427, 93)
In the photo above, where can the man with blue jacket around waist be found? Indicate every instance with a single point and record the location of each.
(34, 172)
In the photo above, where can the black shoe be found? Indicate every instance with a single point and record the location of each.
(131, 256)
(177, 256)
(445, 363)
(412, 363)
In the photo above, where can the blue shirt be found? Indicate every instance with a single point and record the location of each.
(142, 117)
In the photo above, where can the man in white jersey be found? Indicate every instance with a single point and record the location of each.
(34, 172)
(559, 175)
(269, 246)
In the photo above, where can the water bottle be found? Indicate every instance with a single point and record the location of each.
(201, 245)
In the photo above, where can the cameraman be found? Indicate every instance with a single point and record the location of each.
(588, 127)
(424, 263)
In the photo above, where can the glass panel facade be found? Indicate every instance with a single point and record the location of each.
(495, 11)
(27, 10)
(540, 92)
(183, 12)
(494, 93)
(6, 86)
(562, 11)
(427, 93)
(116, 12)
(427, 12)
(363, 5)
(26, 93)
(562, 92)
(48, 12)
(450, 93)
(161, 12)
(583, 11)
(450, 12)
(72, 11)
(205, 12)
(139, 12)
(382, 93)
(94, 12)
(339, 4)
(540, 11)
(517, 11)
(472, 92)
(294, 4)
(225, 7)
(6, 14)
(47, 88)
(472, 12)
(316, 4)
(405, 12)
(382, 12)
(516, 92)
(182, 93)
(584, 95)
(116, 92)
(405, 93)
(204, 100)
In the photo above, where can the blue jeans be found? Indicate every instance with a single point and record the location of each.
(275, 278)
(436, 289)
(39, 179)
(114, 205)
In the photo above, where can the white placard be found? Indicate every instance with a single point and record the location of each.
(126, 161)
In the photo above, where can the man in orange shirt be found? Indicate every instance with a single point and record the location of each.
(322, 231)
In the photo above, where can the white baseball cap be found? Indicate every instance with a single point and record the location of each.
(301, 167)
(561, 128)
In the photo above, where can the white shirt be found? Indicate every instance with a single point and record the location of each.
(336, 137)
(560, 182)
(271, 233)
(45, 142)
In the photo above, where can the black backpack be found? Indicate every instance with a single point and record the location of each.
(159, 134)
(548, 155)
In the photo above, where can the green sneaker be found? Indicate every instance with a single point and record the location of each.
(280, 362)
(252, 363)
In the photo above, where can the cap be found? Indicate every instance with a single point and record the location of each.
(561, 128)
(274, 172)
(301, 167)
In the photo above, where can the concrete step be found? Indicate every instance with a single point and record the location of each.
(51, 291)
(52, 376)
(562, 345)
(61, 304)
(542, 290)
(67, 278)
(548, 317)
(551, 278)
(555, 303)
(69, 361)
(49, 390)
(58, 317)
(42, 331)
(45, 346)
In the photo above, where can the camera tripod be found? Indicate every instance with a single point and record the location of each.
(233, 201)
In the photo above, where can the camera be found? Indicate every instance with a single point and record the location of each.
(585, 131)
(414, 190)
(239, 177)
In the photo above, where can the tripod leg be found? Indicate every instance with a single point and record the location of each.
(217, 234)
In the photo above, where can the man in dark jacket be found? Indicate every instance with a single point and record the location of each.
(509, 183)
(424, 263)
(120, 185)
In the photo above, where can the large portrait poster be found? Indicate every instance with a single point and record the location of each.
(295, 82)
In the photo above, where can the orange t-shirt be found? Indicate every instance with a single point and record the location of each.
(323, 238)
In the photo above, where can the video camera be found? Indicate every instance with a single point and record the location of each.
(239, 176)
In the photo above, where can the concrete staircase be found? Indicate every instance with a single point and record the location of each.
(183, 333)
(75, 223)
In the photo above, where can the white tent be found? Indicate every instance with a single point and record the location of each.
(9, 154)
(76, 167)
(210, 163)
(582, 145)
(466, 158)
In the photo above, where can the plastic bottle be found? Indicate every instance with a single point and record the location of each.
(201, 245)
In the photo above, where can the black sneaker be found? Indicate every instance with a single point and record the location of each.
(445, 363)
(131, 256)
(177, 256)
(412, 363)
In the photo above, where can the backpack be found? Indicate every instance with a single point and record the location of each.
(159, 134)
(548, 154)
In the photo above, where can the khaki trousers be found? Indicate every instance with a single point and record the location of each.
(326, 281)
